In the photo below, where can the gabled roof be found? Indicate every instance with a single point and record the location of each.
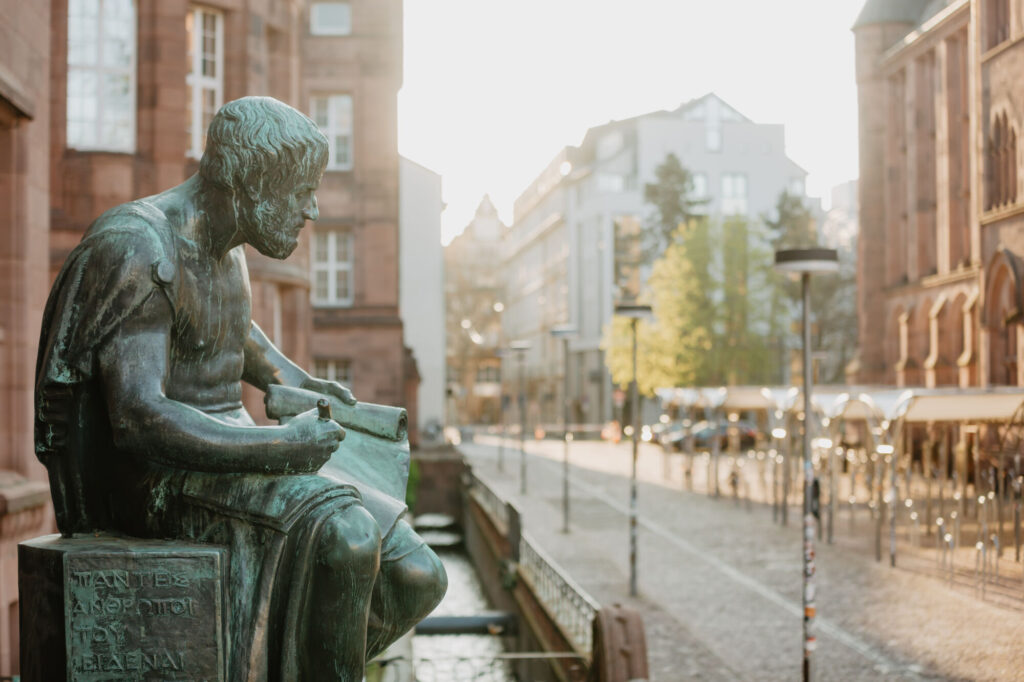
(694, 106)
(891, 11)
(688, 110)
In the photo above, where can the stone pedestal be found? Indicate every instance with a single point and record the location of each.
(98, 608)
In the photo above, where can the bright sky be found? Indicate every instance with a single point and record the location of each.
(493, 89)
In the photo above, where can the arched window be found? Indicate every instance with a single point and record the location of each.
(892, 347)
(1001, 164)
(1002, 319)
(997, 22)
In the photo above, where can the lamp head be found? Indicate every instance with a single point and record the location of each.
(812, 260)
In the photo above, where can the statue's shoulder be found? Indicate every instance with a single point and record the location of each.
(133, 236)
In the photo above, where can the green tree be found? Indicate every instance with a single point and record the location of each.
(671, 198)
(791, 225)
(742, 354)
(833, 296)
(716, 299)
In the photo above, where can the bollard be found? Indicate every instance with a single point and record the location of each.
(980, 518)
(1017, 488)
(915, 530)
(949, 543)
(995, 556)
(912, 516)
(946, 553)
(956, 528)
(984, 568)
(938, 540)
(979, 548)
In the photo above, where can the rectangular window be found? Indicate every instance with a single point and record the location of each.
(734, 194)
(330, 19)
(204, 30)
(612, 183)
(700, 186)
(333, 113)
(332, 268)
(101, 75)
(699, 192)
(713, 136)
(333, 369)
(488, 374)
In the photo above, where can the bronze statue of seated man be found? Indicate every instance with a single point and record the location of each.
(146, 339)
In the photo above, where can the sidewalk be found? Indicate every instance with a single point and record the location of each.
(720, 585)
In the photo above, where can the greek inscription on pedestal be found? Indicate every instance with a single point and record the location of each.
(144, 617)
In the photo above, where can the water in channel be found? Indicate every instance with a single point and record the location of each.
(459, 658)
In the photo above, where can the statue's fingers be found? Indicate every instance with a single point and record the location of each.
(342, 393)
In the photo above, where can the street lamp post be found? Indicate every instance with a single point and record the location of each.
(634, 312)
(520, 348)
(498, 308)
(565, 332)
(804, 262)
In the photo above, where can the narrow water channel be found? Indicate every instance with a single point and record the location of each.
(459, 658)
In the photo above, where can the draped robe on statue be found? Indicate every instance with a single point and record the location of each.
(270, 523)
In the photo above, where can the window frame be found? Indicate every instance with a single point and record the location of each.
(728, 199)
(197, 135)
(316, 29)
(334, 268)
(332, 131)
(98, 68)
(337, 369)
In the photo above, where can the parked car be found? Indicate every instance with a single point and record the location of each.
(703, 433)
(673, 436)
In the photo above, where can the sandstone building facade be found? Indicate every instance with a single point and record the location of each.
(942, 214)
(105, 101)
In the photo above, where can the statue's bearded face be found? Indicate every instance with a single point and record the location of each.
(273, 222)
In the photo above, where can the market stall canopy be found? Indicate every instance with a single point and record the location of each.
(963, 405)
(919, 405)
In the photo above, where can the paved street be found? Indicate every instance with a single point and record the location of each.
(720, 583)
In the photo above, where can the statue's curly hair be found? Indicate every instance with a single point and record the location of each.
(262, 143)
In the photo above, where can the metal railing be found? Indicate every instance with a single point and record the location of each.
(482, 668)
(495, 507)
(568, 605)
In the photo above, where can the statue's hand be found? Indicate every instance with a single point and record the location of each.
(331, 388)
(318, 438)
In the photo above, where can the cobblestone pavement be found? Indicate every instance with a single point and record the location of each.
(720, 582)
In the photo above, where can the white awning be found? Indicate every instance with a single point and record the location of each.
(964, 406)
(916, 405)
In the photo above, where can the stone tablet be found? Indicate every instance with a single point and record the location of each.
(140, 611)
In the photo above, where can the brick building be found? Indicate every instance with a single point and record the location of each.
(941, 221)
(105, 101)
(25, 104)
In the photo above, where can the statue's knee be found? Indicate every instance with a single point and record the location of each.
(421, 575)
(350, 539)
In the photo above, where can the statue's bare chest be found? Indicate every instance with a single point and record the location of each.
(213, 311)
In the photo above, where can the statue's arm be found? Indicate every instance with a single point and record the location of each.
(266, 365)
(133, 365)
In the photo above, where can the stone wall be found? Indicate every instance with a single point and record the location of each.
(24, 230)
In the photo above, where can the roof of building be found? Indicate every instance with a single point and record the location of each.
(892, 11)
(695, 108)
(691, 109)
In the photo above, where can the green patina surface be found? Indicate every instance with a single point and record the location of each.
(146, 340)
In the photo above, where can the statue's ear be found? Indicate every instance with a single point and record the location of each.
(253, 191)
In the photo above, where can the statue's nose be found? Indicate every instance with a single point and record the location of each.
(311, 211)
